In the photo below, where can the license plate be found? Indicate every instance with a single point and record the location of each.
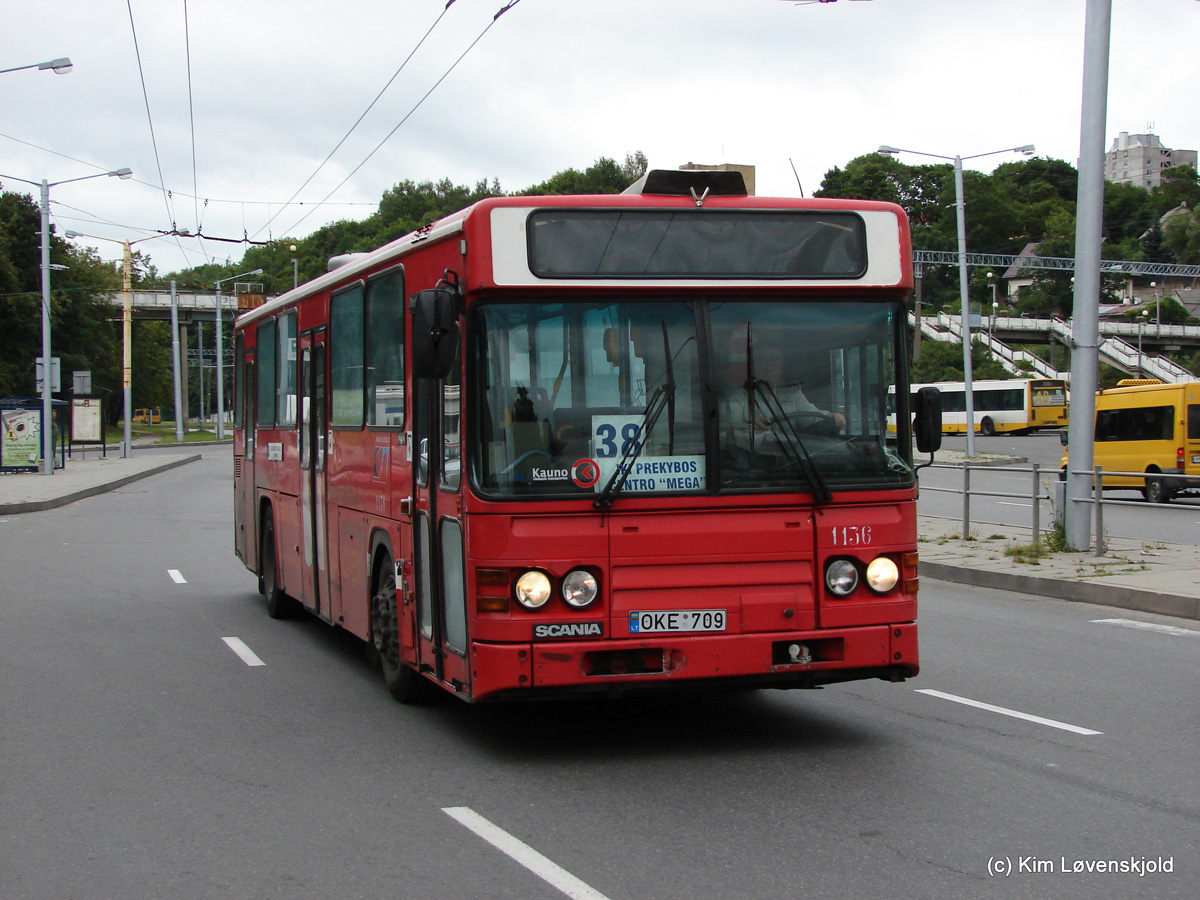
(676, 620)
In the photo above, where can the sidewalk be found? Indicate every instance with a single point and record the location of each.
(33, 492)
(1152, 577)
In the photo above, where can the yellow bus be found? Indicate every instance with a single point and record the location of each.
(151, 416)
(1019, 405)
(1145, 425)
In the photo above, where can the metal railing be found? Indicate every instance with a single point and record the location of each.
(1097, 474)
(1057, 496)
(1036, 495)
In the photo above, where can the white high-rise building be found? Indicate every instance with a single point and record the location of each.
(1140, 159)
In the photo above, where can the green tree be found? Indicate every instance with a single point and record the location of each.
(1181, 236)
(604, 176)
(82, 334)
(943, 361)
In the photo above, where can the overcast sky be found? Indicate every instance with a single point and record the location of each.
(551, 85)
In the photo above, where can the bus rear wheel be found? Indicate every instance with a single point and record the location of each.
(987, 426)
(401, 680)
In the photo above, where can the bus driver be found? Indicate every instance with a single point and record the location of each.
(771, 399)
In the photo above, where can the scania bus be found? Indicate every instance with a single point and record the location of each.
(500, 450)
(1018, 405)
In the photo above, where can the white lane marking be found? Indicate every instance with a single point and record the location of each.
(1149, 626)
(1007, 503)
(176, 576)
(1008, 712)
(522, 853)
(238, 646)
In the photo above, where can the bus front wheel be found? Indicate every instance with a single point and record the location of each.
(401, 680)
(987, 426)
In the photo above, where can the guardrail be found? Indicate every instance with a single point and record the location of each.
(967, 493)
(1097, 474)
(1057, 497)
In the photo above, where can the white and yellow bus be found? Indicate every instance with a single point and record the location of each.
(1009, 405)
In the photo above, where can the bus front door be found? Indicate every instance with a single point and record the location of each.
(312, 425)
(245, 514)
(439, 581)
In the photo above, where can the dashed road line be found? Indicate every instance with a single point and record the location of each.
(520, 852)
(1016, 714)
(176, 576)
(1149, 626)
(248, 656)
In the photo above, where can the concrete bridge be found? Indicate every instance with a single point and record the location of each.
(189, 306)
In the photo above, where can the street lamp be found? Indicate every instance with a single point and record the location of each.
(126, 328)
(60, 66)
(47, 422)
(991, 277)
(220, 362)
(964, 298)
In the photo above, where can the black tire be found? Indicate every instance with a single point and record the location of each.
(279, 604)
(1156, 491)
(401, 680)
(987, 426)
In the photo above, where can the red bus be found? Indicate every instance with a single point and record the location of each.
(572, 443)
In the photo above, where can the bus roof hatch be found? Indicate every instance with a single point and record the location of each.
(689, 183)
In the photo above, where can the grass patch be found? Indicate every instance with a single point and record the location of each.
(1030, 554)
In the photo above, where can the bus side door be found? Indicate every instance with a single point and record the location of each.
(313, 429)
(440, 583)
(245, 513)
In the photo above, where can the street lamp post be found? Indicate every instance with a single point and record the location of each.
(47, 422)
(126, 329)
(964, 297)
(220, 365)
(60, 66)
(1141, 322)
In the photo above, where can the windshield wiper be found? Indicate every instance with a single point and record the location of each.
(757, 388)
(791, 440)
(662, 398)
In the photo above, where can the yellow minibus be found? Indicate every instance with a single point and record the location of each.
(1145, 425)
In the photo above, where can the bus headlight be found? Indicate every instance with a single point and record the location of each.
(532, 589)
(882, 575)
(841, 577)
(580, 588)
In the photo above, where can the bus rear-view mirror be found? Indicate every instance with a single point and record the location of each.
(435, 331)
(927, 420)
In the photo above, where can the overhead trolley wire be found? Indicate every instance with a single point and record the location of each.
(150, 119)
(187, 43)
(358, 121)
(409, 114)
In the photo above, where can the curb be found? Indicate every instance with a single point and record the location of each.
(55, 502)
(1075, 591)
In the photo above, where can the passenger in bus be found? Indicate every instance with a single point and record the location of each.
(764, 433)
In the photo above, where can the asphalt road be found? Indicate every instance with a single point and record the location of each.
(142, 757)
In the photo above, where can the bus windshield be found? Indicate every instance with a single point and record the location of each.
(685, 397)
